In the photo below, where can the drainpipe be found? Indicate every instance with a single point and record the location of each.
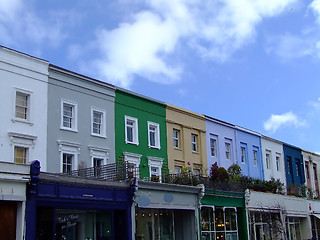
(133, 189)
(198, 210)
(261, 160)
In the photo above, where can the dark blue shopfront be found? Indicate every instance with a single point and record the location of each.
(64, 207)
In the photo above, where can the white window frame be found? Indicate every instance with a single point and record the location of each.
(72, 161)
(194, 142)
(156, 135)
(243, 154)
(177, 167)
(278, 162)
(255, 157)
(155, 162)
(74, 121)
(228, 150)
(213, 149)
(69, 148)
(26, 157)
(135, 136)
(213, 217)
(101, 153)
(134, 159)
(102, 123)
(28, 118)
(22, 140)
(268, 159)
(176, 139)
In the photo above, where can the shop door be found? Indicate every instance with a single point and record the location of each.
(8, 220)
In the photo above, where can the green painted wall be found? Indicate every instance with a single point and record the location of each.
(144, 110)
(225, 199)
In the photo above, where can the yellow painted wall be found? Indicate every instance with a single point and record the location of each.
(187, 123)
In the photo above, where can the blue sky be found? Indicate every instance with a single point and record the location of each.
(253, 63)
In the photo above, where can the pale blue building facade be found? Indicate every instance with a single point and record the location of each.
(249, 153)
(221, 143)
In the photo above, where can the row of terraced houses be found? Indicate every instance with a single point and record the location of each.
(84, 159)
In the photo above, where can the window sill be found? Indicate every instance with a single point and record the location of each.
(155, 147)
(99, 136)
(176, 148)
(194, 152)
(133, 143)
(21, 121)
(69, 129)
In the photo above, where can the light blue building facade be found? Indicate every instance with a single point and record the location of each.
(249, 153)
(221, 144)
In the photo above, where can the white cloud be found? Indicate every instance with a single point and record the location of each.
(137, 49)
(214, 29)
(19, 23)
(288, 46)
(315, 6)
(286, 119)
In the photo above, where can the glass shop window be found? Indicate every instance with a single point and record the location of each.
(75, 224)
(219, 223)
(154, 224)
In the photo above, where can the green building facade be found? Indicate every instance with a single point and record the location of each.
(223, 216)
(140, 134)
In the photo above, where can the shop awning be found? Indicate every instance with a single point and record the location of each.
(317, 215)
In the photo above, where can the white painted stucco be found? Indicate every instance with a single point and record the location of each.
(20, 72)
(275, 148)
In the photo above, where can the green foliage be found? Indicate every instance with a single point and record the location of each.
(185, 179)
(218, 173)
(235, 172)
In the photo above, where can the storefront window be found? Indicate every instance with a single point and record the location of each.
(293, 228)
(76, 224)
(315, 227)
(219, 223)
(154, 224)
(265, 226)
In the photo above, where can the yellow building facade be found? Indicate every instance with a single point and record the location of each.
(186, 137)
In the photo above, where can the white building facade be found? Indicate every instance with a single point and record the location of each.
(272, 158)
(23, 104)
(311, 163)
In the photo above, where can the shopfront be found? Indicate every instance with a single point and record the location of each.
(314, 215)
(13, 183)
(165, 211)
(223, 216)
(276, 216)
(64, 207)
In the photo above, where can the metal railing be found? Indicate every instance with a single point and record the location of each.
(112, 172)
(123, 170)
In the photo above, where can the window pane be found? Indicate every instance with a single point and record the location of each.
(97, 121)
(194, 142)
(177, 169)
(175, 138)
(22, 105)
(67, 162)
(67, 115)
(231, 219)
(213, 147)
(129, 134)
(152, 139)
(20, 154)
(255, 157)
(227, 147)
(219, 220)
(207, 219)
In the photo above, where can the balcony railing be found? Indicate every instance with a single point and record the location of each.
(112, 172)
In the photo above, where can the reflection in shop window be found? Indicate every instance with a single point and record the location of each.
(293, 228)
(265, 225)
(219, 223)
(75, 224)
(154, 224)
